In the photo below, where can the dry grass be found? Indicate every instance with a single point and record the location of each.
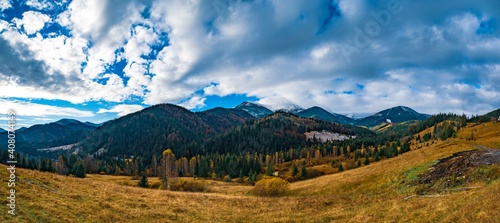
(371, 193)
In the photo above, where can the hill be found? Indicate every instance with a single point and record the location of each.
(380, 192)
(62, 132)
(392, 115)
(2, 130)
(322, 114)
(153, 129)
(493, 115)
(276, 132)
(254, 109)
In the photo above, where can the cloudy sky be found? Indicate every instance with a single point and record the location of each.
(96, 60)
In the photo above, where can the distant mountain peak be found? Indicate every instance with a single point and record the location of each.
(255, 109)
(249, 104)
(66, 121)
(320, 113)
(392, 115)
(291, 108)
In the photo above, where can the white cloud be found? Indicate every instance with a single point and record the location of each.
(5, 4)
(32, 21)
(42, 4)
(24, 108)
(278, 52)
(194, 102)
(121, 109)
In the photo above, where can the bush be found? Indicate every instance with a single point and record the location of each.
(271, 186)
(227, 178)
(187, 185)
(155, 185)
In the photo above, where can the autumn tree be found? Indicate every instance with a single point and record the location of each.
(169, 169)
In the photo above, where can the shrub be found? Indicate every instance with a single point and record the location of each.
(155, 185)
(188, 185)
(271, 186)
(312, 173)
(227, 178)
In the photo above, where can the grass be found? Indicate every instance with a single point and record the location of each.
(372, 193)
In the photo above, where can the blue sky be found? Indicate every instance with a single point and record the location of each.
(96, 60)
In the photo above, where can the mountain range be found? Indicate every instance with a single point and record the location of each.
(62, 132)
(169, 126)
(153, 129)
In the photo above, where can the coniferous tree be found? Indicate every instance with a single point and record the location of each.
(78, 170)
(341, 168)
(367, 161)
(303, 172)
(270, 170)
(295, 170)
(143, 182)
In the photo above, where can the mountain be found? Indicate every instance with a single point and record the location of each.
(153, 129)
(392, 115)
(62, 132)
(291, 108)
(322, 114)
(276, 132)
(254, 109)
(2, 130)
(493, 115)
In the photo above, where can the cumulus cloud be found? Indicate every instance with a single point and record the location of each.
(122, 109)
(347, 56)
(5, 4)
(32, 21)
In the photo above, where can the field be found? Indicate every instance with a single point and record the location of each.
(381, 192)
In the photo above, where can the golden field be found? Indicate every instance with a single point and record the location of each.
(379, 192)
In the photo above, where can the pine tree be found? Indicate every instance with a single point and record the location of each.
(367, 161)
(78, 170)
(341, 168)
(143, 182)
(303, 172)
(270, 170)
(295, 170)
(240, 179)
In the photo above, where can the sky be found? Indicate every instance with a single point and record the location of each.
(96, 60)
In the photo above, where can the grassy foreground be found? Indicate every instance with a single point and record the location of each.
(379, 192)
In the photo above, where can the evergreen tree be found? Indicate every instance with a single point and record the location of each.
(143, 182)
(341, 168)
(295, 170)
(367, 161)
(240, 179)
(270, 170)
(303, 172)
(78, 170)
